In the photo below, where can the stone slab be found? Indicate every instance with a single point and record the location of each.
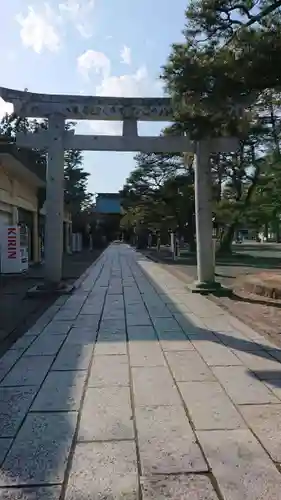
(67, 314)
(106, 415)
(104, 471)
(144, 353)
(242, 386)
(237, 341)
(29, 370)
(141, 333)
(159, 312)
(219, 323)
(166, 325)
(8, 361)
(40, 451)
(181, 487)
(73, 357)
(209, 407)
(188, 322)
(92, 309)
(24, 342)
(46, 345)
(115, 301)
(112, 326)
(109, 371)
(176, 345)
(216, 354)
(106, 348)
(38, 327)
(14, 405)
(137, 309)
(203, 335)
(138, 319)
(275, 386)
(33, 493)
(154, 386)
(241, 467)
(113, 314)
(87, 321)
(175, 341)
(61, 391)
(167, 444)
(5, 444)
(57, 328)
(188, 366)
(82, 336)
(261, 363)
(265, 421)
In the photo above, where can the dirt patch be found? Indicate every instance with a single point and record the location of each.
(260, 313)
(267, 284)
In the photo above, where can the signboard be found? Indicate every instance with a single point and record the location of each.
(10, 250)
(108, 205)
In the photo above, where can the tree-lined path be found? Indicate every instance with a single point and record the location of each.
(135, 388)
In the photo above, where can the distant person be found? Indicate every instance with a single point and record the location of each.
(158, 242)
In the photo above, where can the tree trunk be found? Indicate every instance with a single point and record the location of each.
(266, 231)
(227, 239)
(276, 228)
(278, 237)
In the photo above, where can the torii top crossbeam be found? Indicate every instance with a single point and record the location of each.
(35, 105)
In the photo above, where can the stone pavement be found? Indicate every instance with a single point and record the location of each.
(133, 388)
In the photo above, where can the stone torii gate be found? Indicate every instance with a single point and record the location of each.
(58, 108)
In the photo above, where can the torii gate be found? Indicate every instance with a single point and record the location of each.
(58, 108)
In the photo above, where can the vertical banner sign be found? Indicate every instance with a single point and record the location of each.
(10, 250)
(12, 243)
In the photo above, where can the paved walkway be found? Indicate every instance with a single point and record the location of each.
(136, 389)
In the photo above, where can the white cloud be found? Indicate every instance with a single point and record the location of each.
(93, 61)
(39, 29)
(5, 107)
(106, 128)
(126, 55)
(130, 85)
(136, 84)
(80, 14)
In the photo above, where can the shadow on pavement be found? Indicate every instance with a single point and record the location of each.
(268, 376)
(42, 393)
(13, 297)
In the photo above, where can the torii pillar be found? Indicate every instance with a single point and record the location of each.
(206, 282)
(204, 222)
(54, 202)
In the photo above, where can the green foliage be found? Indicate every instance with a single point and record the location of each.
(225, 79)
(75, 182)
(213, 74)
(159, 195)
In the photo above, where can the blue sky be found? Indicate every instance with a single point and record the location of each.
(95, 47)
